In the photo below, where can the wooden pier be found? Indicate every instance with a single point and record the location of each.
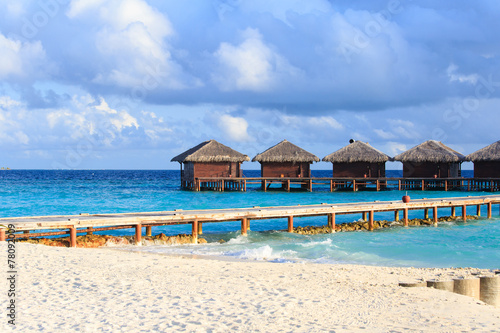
(38, 226)
(347, 184)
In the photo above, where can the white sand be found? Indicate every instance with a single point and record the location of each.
(94, 290)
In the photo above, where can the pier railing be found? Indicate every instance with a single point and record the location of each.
(345, 183)
(37, 226)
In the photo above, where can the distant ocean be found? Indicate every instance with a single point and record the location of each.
(50, 192)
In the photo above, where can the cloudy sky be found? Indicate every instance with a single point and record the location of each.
(92, 84)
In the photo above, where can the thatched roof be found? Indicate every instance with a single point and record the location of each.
(210, 151)
(357, 151)
(285, 152)
(430, 151)
(490, 153)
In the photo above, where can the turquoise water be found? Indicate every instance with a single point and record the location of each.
(475, 244)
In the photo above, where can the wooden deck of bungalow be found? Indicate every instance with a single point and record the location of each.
(350, 184)
(38, 226)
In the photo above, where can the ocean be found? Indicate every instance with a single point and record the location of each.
(51, 192)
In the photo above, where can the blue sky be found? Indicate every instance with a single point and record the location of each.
(93, 84)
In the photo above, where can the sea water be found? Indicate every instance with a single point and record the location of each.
(454, 244)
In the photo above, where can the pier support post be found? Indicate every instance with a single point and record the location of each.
(194, 231)
(149, 232)
(396, 215)
(290, 223)
(90, 231)
(331, 222)
(426, 213)
(2, 235)
(464, 213)
(370, 222)
(244, 226)
(478, 210)
(453, 212)
(364, 216)
(138, 234)
(405, 217)
(435, 215)
(200, 228)
(72, 237)
(489, 210)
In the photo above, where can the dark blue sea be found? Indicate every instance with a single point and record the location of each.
(51, 192)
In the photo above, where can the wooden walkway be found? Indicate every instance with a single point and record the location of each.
(37, 226)
(350, 184)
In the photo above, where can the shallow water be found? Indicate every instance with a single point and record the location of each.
(50, 192)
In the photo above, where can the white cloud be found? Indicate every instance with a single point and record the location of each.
(234, 127)
(325, 121)
(21, 59)
(384, 134)
(252, 65)
(92, 119)
(454, 76)
(132, 44)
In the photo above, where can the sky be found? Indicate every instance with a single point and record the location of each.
(108, 84)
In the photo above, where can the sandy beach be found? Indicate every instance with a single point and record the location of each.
(109, 290)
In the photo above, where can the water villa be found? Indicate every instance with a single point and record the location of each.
(431, 159)
(358, 160)
(285, 160)
(486, 161)
(210, 159)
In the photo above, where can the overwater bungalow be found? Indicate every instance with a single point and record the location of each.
(431, 159)
(358, 159)
(209, 159)
(486, 161)
(285, 160)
